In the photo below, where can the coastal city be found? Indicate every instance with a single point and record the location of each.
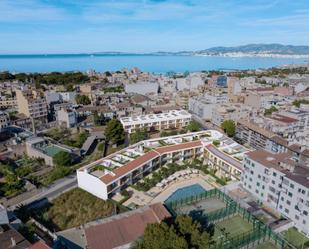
(154, 124)
(91, 160)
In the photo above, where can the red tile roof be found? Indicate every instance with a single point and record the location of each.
(284, 119)
(123, 170)
(130, 166)
(39, 245)
(124, 229)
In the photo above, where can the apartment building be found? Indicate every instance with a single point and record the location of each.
(67, 117)
(111, 174)
(32, 104)
(257, 137)
(233, 112)
(280, 183)
(203, 106)
(172, 119)
(8, 103)
(252, 135)
(4, 120)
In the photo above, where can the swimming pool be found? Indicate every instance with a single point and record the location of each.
(185, 192)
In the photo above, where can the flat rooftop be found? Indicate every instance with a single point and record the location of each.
(171, 115)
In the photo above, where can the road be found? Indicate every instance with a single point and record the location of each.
(48, 193)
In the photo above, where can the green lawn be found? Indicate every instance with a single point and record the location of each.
(232, 227)
(295, 237)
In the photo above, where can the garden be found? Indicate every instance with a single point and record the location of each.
(168, 170)
(71, 209)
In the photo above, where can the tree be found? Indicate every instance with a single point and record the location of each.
(101, 147)
(194, 126)
(114, 132)
(82, 99)
(270, 110)
(229, 127)
(98, 119)
(138, 135)
(298, 102)
(184, 233)
(62, 158)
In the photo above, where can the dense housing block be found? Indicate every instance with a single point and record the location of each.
(280, 183)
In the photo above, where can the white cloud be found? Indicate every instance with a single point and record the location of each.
(29, 10)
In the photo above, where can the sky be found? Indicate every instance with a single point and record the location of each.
(77, 26)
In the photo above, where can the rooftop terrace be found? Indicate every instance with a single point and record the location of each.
(156, 117)
(118, 164)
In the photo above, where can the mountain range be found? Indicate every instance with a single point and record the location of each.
(263, 50)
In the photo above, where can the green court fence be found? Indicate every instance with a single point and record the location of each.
(259, 234)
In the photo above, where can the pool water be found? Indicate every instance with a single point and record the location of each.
(185, 192)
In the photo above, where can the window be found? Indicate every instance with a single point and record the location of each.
(256, 191)
(304, 222)
(288, 202)
(262, 194)
(259, 176)
(296, 217)
(274, 174)
(258, 184)
(282, 199)
(263, 187)
(250, 179)
(290, 194)
(280, 206)
(305, 213)
(249, 186)
(292, 185)
(286, 210)
(273, 182)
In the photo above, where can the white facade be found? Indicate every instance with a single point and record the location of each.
(171, 119)
(280, 184)
(68, 96)
(68, 117)
(203, 106)
(142, 87)
(116, 172)
(228, 111)
(52, 97)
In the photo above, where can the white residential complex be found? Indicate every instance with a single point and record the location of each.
(280, 183)
(111, 174)
(161, 121)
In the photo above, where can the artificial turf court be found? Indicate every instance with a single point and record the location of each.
(266, 245)
(231, 227)
(207, 206)
(234, 226)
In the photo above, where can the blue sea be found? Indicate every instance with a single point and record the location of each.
(147, 63)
